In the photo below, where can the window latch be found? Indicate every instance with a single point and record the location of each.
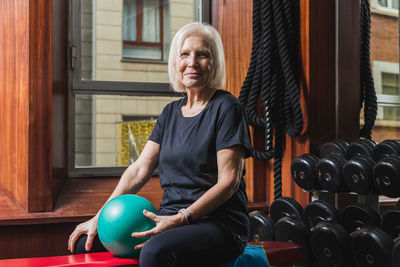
(74, 56)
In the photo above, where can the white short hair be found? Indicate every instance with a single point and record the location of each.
(213, 39)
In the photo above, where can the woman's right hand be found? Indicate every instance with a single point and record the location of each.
(90, 228)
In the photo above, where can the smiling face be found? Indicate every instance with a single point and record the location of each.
(194, 63)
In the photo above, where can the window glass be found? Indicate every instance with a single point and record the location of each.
(391, 113)
(129, 20)
(383, 3)
(395, 4)
(111, 130)
(390, 83)
(120, 84)
(129, 40)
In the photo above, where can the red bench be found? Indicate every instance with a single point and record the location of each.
(277, 253)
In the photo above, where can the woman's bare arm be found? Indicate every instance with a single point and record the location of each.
(131, 181)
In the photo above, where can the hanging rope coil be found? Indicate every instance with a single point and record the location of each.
(367, 88)
(271, 76)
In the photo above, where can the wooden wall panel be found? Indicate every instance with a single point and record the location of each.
(348, 69)
(322, 72)
(40, 105)
(59, 95)
(40, 240)
(334, 70)
(25, 102)
(14, 99)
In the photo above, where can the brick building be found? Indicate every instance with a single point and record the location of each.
(385, 68)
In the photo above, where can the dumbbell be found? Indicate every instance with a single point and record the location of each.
(364, 147)
(372, 245)
(386, 148)
(303, 168)
(330, 173)
(317, 213)
(380, 247)
(303, 172)
(293, 224)
(358, 175)
(387, 176)
(336, 147)
(391, 225)
(331, 243)
(289, 227)
(261, 227)
(329, 168)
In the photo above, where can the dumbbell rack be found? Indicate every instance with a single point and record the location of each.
(382, 158)
(359, 156)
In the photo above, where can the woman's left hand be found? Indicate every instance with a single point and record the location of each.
(163, 223)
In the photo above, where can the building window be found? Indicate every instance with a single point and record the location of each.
(119, 77)
(386, 78)
(143, 29)
(391, 6)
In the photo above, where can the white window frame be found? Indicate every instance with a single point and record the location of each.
(384, 100)
(389, 9)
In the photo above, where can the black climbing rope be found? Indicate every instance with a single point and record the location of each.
(271, 76)
(367, 89)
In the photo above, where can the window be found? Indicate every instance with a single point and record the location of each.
(384, 53)
(384, 57)
(143, 29)
(386, 78)
(119, 77)
(386, 5)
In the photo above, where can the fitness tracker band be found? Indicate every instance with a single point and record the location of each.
(187, 215)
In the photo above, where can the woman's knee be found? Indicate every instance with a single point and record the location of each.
(156, 253)
(97, 246)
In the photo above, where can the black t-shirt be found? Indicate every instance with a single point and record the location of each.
(188, 157)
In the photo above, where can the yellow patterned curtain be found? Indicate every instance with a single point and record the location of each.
(132, 137)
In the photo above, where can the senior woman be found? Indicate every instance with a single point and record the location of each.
(199, 144)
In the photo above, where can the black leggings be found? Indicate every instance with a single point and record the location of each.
(203, 243)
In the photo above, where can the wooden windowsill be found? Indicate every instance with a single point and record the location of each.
(80, 199)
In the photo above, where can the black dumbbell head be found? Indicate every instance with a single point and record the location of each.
(391, 222)
(330, 173)
(334, 147)
(285, 207)
(303, 171)
(331, 245)
(385, 149)
(358, 175)
(358, 215)
(372, 247)
(319, 211)
(290, 230)
(261, 227)
(364, 147)
(387, 176)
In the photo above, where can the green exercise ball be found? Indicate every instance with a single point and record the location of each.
(119, 218)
